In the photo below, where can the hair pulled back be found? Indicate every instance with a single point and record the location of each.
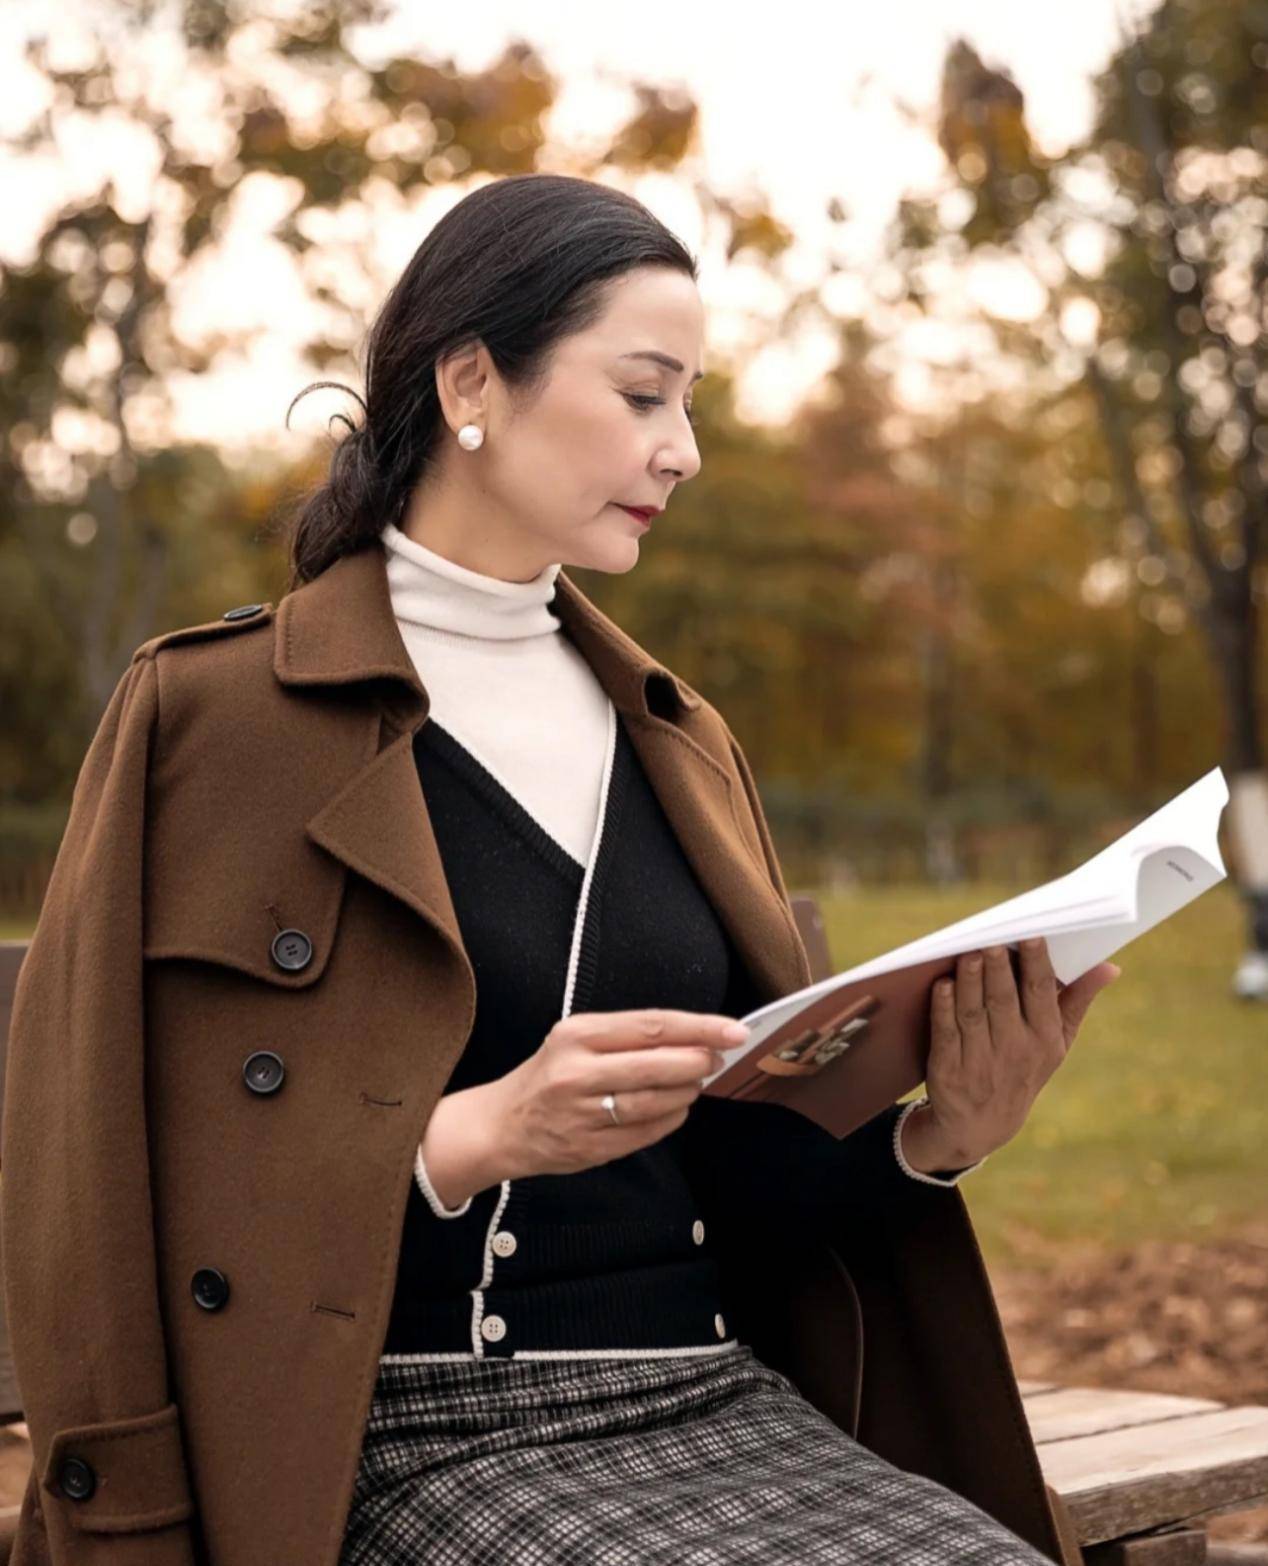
(520, 263)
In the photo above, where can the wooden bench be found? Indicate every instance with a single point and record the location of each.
(1138, 1474)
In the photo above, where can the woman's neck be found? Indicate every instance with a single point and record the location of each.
(428, 589)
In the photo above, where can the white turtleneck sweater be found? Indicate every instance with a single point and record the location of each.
(505, 682)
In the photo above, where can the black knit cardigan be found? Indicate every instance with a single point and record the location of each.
(615, 1258)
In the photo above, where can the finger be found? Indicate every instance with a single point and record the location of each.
(636, 1105)
(636, 1070)
(1000, 998)
(641, 1028)
(970, 1013)
(1078, 996)
(944, 1031)
(1039, 991)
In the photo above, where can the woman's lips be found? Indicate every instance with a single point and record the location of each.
(642, 516)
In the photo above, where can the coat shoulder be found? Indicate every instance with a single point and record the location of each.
(233, 622)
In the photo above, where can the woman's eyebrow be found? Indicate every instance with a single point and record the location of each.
(667, 360)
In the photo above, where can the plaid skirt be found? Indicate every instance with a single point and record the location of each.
(707, 1459)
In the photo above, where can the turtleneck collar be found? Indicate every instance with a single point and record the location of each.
(428, 589)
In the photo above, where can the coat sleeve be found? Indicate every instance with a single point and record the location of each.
(782, 1171)
(76, 1220)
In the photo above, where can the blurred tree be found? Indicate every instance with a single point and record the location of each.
(1149, 242)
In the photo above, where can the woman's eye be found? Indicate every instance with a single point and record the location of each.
(644, 403)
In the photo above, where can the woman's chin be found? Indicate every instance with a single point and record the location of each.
(613, 553)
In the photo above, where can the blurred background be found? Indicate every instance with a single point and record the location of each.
(974, 564)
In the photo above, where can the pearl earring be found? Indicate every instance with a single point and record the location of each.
(470, 437)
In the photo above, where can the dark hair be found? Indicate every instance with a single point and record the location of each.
(519, 263)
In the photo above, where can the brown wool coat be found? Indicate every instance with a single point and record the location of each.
(254, 775)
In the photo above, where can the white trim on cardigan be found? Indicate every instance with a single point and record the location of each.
(916, 1174)
(579, 924)
(460, 1357)
(429, 1191)
(578, 931)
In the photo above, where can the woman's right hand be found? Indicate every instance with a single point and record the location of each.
(549, 1110)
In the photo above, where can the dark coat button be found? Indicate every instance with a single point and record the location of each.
(292, 950)
(263, 1071)
(210, 1288)
(242, 612)
(76, 1478)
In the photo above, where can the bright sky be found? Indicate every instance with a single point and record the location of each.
(770, 83)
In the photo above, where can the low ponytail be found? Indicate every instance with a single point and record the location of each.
(348, 511)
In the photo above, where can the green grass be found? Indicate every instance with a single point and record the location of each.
(1156, 1124)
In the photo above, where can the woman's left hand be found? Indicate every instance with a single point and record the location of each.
(993, 1048)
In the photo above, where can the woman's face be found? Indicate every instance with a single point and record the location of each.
(609, 426)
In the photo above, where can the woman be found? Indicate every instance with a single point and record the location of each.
(353, 1126)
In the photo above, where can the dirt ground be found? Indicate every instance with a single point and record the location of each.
(1185, 1318)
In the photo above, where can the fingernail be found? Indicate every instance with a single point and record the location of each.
(736, 1031)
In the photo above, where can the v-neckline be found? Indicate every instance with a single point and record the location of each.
(463, 760)
(587, 881)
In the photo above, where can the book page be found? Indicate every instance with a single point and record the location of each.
(1126, 888)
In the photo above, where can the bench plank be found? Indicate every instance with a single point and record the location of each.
(1067, 1412)
(1187, 1547)
(1146, 1476)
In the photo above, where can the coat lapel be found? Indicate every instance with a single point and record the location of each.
(339, 631)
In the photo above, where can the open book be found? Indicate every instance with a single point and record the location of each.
(842, 1050)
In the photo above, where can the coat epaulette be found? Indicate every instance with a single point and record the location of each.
(239, 619)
